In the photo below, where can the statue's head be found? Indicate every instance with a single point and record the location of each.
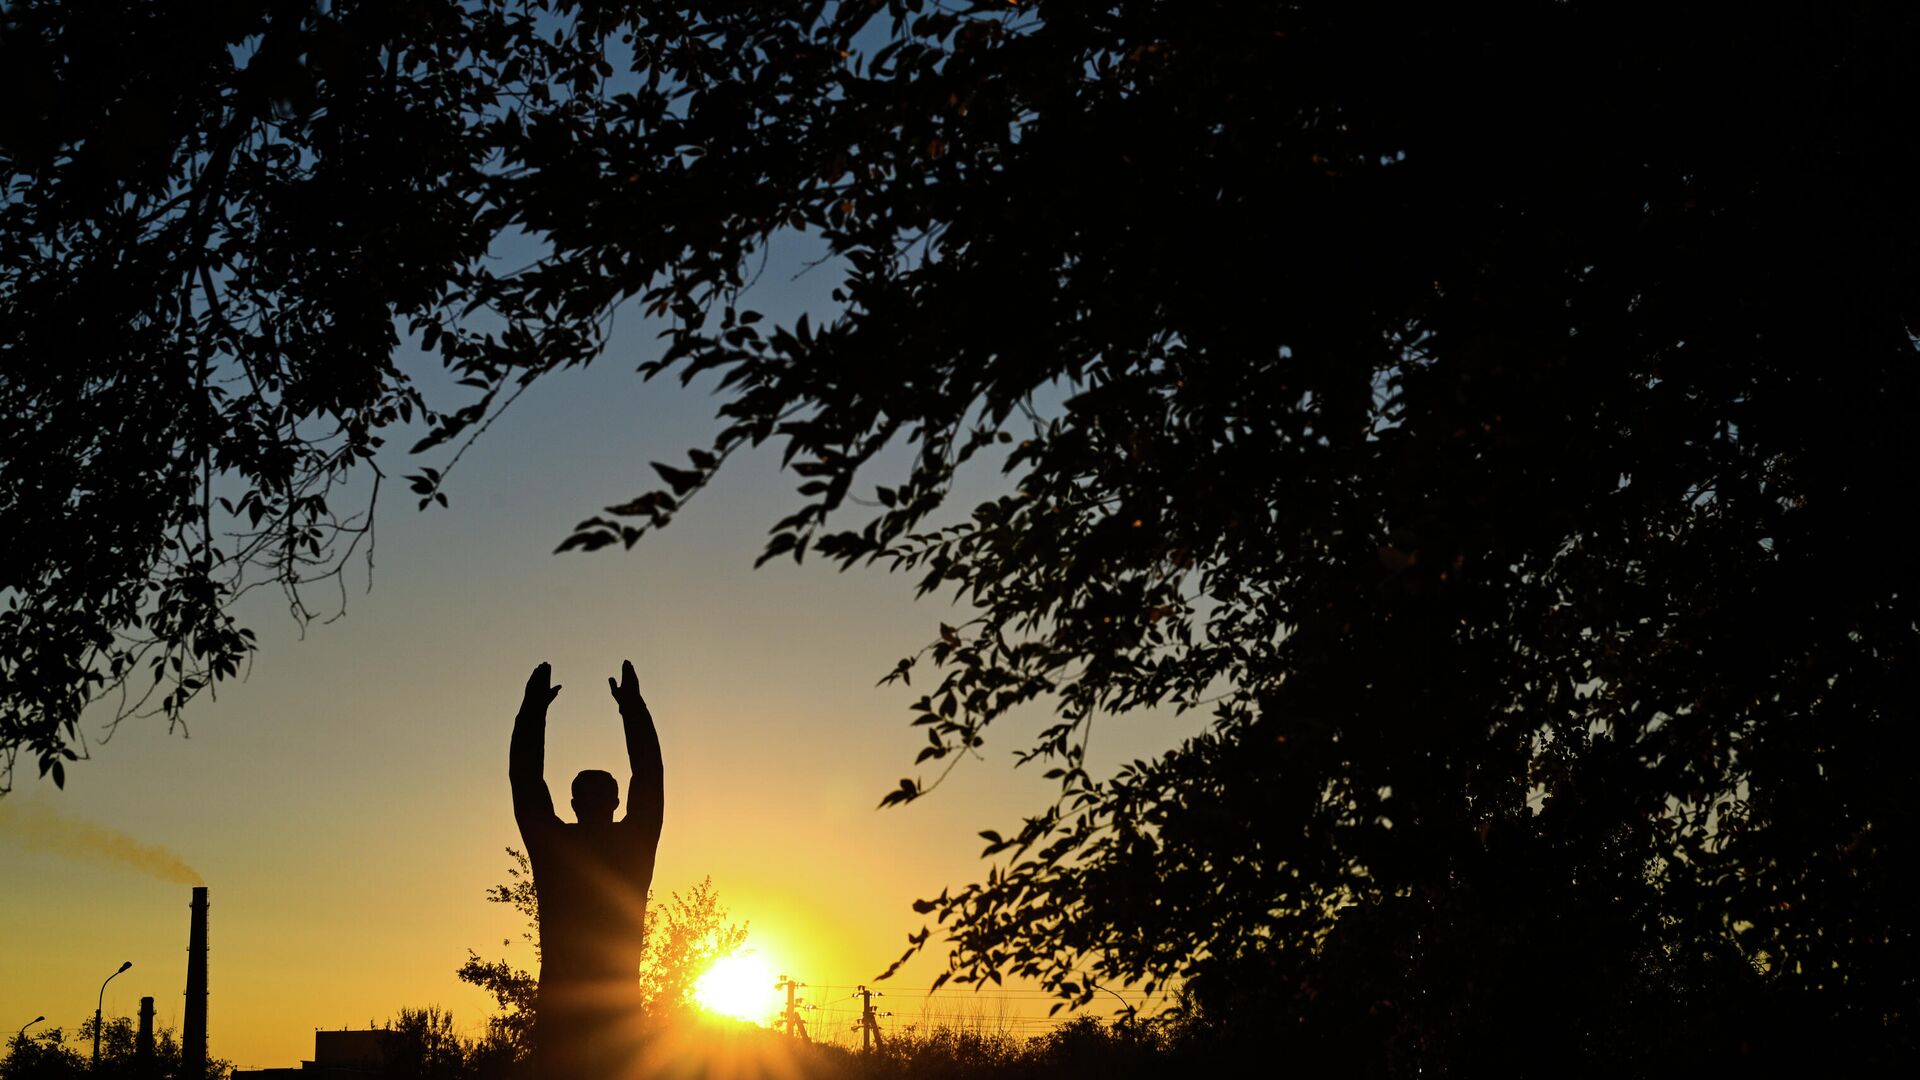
(595, 796)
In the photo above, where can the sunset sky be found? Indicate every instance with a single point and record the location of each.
(347, 805)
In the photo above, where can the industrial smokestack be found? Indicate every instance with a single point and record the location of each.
(143, 1042)
(193, 1027)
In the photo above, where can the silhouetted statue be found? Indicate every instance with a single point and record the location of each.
(591, 879)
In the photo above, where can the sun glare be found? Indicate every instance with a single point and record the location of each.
(738, 986)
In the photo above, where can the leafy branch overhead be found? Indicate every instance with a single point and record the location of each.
(1478, 446)
(203, 265)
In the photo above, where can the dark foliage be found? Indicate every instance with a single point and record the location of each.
(212, 218)
(1491, 416)
(49, 1054)
(44, 1055)
(1081, 1047)
(1494, 417)
(429, 1048)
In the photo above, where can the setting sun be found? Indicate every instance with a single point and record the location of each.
(738, 986)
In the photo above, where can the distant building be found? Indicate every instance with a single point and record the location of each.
(337, 1055)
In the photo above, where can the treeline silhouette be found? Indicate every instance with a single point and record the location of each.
(704, 1046)
(686, 934)
(428, 1045)
(686, 1045)
(54, 1054)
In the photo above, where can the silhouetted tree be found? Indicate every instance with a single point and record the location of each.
(49, 1055)
(686, 935)
(43, 1055)
(1492, 417)
(515, 990)
(428, 1047)
(212, 219)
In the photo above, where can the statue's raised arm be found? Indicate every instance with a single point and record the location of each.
(527, 756)
(646, 800)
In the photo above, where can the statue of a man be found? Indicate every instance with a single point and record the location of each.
(591, 877)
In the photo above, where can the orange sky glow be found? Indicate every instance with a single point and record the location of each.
(347, 805)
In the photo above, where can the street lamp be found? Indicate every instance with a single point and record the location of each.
(96, 1013)
(21, 1034)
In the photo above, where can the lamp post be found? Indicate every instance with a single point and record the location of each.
(18, 1035)
(96, 1013)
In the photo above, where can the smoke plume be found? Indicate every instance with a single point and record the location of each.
(37, 826)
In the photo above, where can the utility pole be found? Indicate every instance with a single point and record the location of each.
(869, 1020)
(795, 1024)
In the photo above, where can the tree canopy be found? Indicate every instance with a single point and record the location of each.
(1492, 417)
(56, 1054)
(215, 216)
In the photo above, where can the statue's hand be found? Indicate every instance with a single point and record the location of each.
(539, 693)
(626, 692)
